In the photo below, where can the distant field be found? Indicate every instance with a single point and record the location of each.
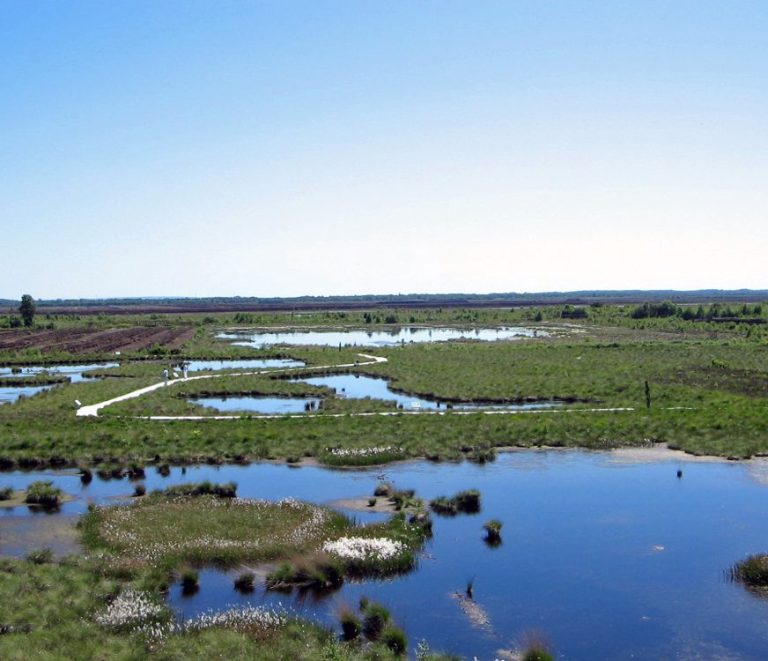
(87, 341)
(706, 378)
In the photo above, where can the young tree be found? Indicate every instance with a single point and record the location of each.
(27, 309)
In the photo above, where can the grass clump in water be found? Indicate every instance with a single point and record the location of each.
(752, 572)
(206, 488)
(190, 581)
(492, 530)
(6, 493)
(465, 501)
(375, 618)
(43, 494)
(314, 571)
(351, 627)
(245, 582)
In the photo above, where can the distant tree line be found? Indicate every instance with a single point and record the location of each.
(716, 311)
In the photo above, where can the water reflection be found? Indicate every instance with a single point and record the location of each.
(258, 404)
(378, 338)
(610, 560)
(73, 374)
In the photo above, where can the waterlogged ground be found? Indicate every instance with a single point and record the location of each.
(352, 386)
(11, 393)
(608, 555)
(379, 338)
(356, 386)
(257, 404)
(243, 364)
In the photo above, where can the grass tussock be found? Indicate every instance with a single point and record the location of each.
(43, 494)
(467, 502)
(752, 572)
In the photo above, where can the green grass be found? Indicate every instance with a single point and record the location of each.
(752, 572)
(46, 610)
(44, 494)
(49, 611)
(170, 530)
(716, 371)
(467, 502)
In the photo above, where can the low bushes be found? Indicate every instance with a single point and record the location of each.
(467, 502)
(226, 490)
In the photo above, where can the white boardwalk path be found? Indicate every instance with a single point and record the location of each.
(92, 410)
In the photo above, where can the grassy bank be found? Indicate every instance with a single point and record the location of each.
(77, 609)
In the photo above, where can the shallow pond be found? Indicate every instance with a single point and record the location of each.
(379, 338)
(10, 394)
(257, 404)
(357, 386)
(247, 364)
(75, 374)
(606, 554)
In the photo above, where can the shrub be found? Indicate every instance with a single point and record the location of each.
(468, 501)
(492, 530)
(404, 498)
(536, 654)
(395, 639)
(135, 472)
(227, 490)
(350, 625)
(139, 490)
(43, 493)
(464, 501)
(245, 582)
(6, 493)
(190, 581)
(444, 505)
(752, 571)
(384, 489)
(371, 502)
(375, 618)
(318, 571)
(536, 648)
(423, 521)
(40, 556)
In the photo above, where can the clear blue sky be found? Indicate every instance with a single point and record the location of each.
(286, 148)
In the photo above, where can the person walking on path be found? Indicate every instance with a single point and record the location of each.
(165, 376)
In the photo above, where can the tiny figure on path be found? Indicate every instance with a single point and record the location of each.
(165, 376)
(184, 368)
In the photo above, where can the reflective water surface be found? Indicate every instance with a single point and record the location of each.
(75, 374)
(244, 364)
(378, 338)
(257, 404)
(607, 555)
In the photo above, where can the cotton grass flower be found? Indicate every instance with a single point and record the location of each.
(364, 548)
(130, 610)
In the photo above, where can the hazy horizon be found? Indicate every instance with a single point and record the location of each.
(314, 148)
